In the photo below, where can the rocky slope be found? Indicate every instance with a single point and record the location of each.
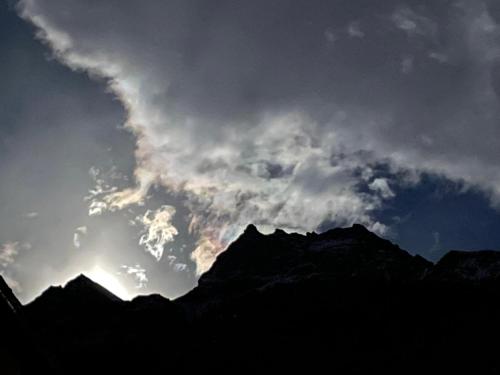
(345, 300)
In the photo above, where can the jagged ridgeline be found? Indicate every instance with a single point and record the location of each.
(345, 301)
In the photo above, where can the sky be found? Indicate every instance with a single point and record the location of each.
(138, 139)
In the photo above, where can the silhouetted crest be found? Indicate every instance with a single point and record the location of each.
(345, 300)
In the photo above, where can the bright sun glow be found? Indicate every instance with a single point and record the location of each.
(108, 281)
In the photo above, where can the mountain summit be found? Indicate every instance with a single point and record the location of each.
(343, 253)
(76, 297)
(346, 301)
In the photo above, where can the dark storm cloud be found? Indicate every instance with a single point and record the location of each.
(219, 91)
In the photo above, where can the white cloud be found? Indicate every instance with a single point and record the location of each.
(180, 267)
(440, 57)
(252, 127)
(354, 30)
(177, 267)
(76, 240)
(158, 230)
(139, 274)
(8, 253)
(83, 229)
(381, 186)
(105, 196)
(77, 236)
(413, 23)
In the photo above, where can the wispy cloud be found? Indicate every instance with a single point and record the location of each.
(8, 253)
(31, 215)
(139, 274)
(106, 196)
(354, 30)
(381, 186)
(179, 267)
(77, 235)
(176, 266)
(158, 230)
(413, 23)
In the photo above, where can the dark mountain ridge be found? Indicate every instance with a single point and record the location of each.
(345, 300)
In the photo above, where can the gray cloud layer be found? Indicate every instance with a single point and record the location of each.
(275, 112)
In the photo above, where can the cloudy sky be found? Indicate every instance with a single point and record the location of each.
(137, 139)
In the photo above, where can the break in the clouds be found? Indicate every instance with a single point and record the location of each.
(278, 112)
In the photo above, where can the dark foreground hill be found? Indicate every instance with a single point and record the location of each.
(344, 301)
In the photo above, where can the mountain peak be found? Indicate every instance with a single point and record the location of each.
(80, 282)
(251, 229)
(340, 253)
(79, 293)
(81, 279)
(84, 285)
(359, 227)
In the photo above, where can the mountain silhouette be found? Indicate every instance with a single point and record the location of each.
(19, 353)
(78, 295)
(345, 301)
